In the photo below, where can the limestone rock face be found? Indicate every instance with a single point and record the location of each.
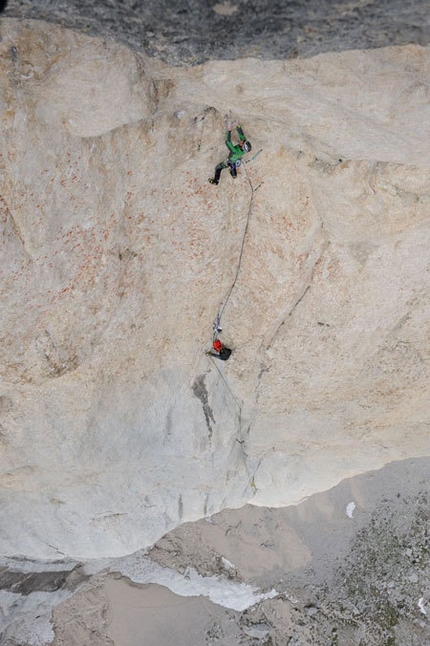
(117, 255)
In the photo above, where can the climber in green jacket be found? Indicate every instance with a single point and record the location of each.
(237, 151)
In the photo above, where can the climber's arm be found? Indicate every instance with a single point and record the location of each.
(240, 133)
(228, 142)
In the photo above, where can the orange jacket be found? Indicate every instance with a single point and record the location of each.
(217, 345)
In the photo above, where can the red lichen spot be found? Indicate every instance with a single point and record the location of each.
(302, 259)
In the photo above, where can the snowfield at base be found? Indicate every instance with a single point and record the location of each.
(32, 616)
(141, 569)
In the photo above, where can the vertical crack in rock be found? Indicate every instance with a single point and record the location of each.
(16, 230)
(263, 369)
(208, 112)
(300, 298)
(200, 391)
(6, 404)
(180, 507)
(250, 468)
(168, 426)
(304, 291)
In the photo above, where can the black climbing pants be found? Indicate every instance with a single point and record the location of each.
(221, 166)
(223, 355)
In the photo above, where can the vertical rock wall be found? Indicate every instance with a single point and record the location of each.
(117, 255)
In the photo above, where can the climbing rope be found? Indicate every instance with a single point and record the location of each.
(239, 439)
(236, 401)
(239, 263)
(217, 323)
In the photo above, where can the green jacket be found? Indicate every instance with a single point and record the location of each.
(236, 152)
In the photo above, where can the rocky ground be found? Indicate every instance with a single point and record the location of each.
(345, 574)
(186, 32)
(350, 567)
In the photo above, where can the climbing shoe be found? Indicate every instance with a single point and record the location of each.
(212, 181)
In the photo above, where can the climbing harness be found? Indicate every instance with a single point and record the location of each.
(216, 328)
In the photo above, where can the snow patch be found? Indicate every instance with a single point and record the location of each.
(421, 605)
(27, 618)
(224, 592)
(257, 631)
(228, 565)
(350, 509)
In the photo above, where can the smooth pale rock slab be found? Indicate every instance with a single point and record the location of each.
(116, 255)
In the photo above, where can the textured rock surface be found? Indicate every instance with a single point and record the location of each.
(186, 32)
(117, 253)
(342, 576)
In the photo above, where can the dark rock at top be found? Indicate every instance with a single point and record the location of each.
(188, 32)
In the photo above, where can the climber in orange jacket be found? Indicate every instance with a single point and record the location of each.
(220, 351)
